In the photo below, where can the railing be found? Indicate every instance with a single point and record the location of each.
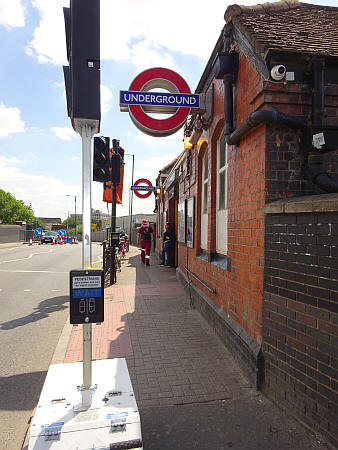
(110, 263)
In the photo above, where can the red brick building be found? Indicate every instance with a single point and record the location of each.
(246, 244)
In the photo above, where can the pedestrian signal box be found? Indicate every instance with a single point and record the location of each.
(86, 296)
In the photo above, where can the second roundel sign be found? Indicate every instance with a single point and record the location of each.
(139, 182)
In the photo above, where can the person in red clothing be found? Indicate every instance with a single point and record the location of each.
(144, 237)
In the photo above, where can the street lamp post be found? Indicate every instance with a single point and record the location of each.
(69, 195)
(131, 198)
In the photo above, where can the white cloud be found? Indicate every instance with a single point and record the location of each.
(47, 195)
(136, 31)
(12, 13)
(157, 162)
(64, 133)
(10, 121)
(160, 142)
(49, 41)
(145, 54)
(106, 99)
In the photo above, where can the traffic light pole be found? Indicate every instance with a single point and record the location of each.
(86, 135)
(113, 228)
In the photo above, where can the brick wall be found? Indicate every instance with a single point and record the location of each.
(238, 292)
(300, 313)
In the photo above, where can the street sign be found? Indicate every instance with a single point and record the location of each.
(62, 232)
(162, 99)
(179, 101)
(86, 296)
(143, 188)
(38, 231)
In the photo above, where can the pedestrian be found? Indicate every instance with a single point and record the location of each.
(168, 240)
(144, 237)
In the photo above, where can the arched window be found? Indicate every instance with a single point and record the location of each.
(204, 202)
(221, 196)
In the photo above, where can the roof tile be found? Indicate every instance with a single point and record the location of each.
(288, 25)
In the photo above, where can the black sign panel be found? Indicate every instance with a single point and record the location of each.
(86, 296)
(115, 239)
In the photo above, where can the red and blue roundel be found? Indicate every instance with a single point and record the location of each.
(140, 98)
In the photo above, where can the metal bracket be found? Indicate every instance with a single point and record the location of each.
(83, 388)
(52, 433)
(118, 425)
(207, 107)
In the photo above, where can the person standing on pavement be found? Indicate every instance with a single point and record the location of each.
(144, 237)
(168, 240)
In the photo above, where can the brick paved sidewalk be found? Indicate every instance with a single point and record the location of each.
(172, 355)
(189, 389)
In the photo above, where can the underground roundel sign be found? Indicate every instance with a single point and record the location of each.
(141, 100)
(142, 184)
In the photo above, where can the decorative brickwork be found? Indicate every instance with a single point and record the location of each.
(300, 316)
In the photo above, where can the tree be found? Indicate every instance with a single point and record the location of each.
(13, 210)
(39, 223)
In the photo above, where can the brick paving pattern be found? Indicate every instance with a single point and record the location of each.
(173, 356)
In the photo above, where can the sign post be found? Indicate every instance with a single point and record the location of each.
(86, 134)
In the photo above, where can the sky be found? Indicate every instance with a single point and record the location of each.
(40, 154)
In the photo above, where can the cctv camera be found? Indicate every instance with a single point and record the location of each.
(278, 72)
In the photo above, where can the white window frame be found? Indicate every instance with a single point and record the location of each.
(204, 201)
(222, 206)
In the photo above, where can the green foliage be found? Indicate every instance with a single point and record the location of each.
(70, 222)
(12, 210)
(39, 223)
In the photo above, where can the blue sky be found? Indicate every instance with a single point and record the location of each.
(40, 154)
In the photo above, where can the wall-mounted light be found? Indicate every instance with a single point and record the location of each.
(187, 143)
(195, 135)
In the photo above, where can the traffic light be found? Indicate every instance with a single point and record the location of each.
(116, 162)
(158, 191)
(82, 76)
(101, 160)
(116, 168)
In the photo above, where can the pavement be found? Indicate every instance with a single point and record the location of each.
(190, 391)
(11, 244)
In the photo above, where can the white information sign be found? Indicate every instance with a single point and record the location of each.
(318, 140)
(86, 282)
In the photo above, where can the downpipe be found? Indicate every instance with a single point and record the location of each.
(316, 171)
(257, 118)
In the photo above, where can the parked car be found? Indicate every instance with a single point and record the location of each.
(47, 237)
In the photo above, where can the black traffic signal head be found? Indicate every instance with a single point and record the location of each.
(101, 160)
(116, 162)
(82, 77)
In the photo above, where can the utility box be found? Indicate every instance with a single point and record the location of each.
(86, 296)
(111, 422)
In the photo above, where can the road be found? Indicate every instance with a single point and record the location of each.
(34, 296)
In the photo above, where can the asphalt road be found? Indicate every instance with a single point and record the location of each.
(34, 296)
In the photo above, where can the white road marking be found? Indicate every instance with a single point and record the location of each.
(30, 271)
(55, 290)
(28, 257)
(27, 290)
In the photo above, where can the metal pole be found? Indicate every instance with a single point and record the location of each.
(75, 214)
(113, 228)
(113, 208)
(131, 202)
(86, 134)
